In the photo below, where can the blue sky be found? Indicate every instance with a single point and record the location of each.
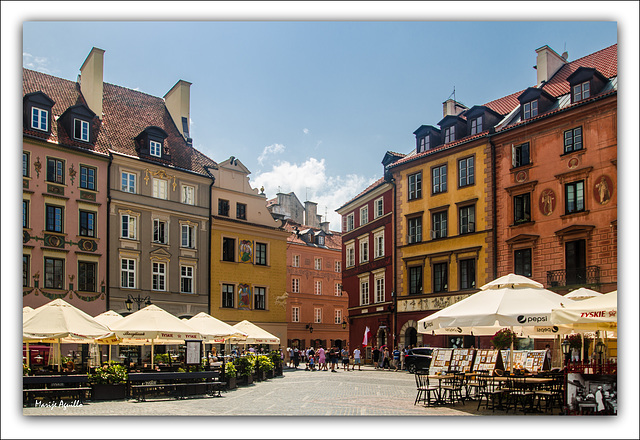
(312, 107)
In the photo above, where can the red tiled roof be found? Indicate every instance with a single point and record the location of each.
(332, 241)
(506, 104)
(371, 187)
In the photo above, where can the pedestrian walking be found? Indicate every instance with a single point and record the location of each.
(385, 358)
(296, 358)
(322, 360)
(403, 353)
(345, 359)
(332, 359)
(356, 358)
(376, 357)
(396, 358)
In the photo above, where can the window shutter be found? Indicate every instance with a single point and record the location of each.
(513, 156)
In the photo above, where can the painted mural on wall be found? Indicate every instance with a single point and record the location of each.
(246, 251)
(244, 297)
(602, 190)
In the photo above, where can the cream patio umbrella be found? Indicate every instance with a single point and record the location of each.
(25, 312)
(213, 330)
(108, 318)
(155, 325)
(597, 313)
(255, 334)
(582, 293)
(512, 301)
(59, 320)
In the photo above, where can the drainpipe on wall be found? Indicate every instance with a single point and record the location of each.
(213, 180)
(494, 208)
(108, 285)
(394, 292)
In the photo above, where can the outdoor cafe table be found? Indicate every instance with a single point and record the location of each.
(440, 378)
(533, 383)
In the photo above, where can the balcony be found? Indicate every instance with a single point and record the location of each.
(574, 277)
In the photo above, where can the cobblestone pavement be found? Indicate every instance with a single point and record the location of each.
(298, 393)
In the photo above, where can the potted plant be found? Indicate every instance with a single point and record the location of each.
(503, 338)
(25, 370)
(277, 363)
(108, 382)
(230, 373)
(264, 366)
(244, 366)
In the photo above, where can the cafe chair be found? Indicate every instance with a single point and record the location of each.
(424, 390)
(550, 394)
(492, 394)
(519, 393)
(476, 385)
(453, 388)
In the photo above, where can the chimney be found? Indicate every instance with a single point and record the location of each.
(91, 74)
(177, 101)
(452, 107)
(548, 62)
(311, 214)
(325, 227)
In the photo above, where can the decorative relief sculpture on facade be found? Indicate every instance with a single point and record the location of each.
(547, 202)
(602, 190)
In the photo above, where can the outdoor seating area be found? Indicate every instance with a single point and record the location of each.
(178, 385)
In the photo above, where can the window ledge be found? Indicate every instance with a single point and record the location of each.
(575, 152)
(575, 214)
(516, 225)
(521, 167)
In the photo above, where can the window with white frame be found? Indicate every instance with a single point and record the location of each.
(338, 267)
(160, 231)
(415, 186)
(337, 316)
(338, 289)
(188, 195)
(581, 91)
(188, 236)
(317, 287)
(317, 315)
(466, 171)
(378, 207)
(295, 285)
(54, 273)
(379, 286)
(476, 125)
(160, 188)
(350, 222)
(295, 314)
(364, 250)
(128, 273)
(81, 130)
(318, 263)
(128, 182)
(449, 134)
(364, 215)
(39, 119)
(350, 251)
(378, 244)
(186, 279)
(129, 226)
(155, 148)
(530, 109)
(25, 164)
(295, 262)
(364, 291)
(158, 274)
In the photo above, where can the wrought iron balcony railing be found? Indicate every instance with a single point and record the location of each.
(571, 277)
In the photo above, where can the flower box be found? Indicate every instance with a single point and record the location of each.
(101, 391)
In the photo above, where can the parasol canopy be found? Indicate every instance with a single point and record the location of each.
(597, 313)
(213, 330)
(153, 323)
(582, 293)
(255, 334)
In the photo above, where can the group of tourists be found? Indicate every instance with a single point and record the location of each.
(321, 360)
(385, 360)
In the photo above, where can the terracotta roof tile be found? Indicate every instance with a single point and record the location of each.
(371, 187)
(332, 241)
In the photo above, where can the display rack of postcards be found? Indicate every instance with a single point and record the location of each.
(440, 360)
(487, 360)
(536, 361)
(462, 359)
(519, 359)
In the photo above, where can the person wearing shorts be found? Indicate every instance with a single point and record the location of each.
(345, 359)
(356, 358)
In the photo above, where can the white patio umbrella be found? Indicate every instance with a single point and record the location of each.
(59, 320)
(582, 293)
(25, 311)
(213, 330)
(155, 325)
(597, 313)
(255, 334)
(512, 301)
(108, 318)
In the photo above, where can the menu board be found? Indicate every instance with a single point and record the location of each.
(462, 359)
(440, 360)
(487, 360)
(535, 361)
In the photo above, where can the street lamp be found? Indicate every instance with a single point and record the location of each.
(138, 300)
(344, 324)
(600, 348)
(310, 328)
(566, 347)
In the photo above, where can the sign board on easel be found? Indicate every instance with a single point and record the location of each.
(487, 360)
(462, 359)
(440, 360)
(193, 355)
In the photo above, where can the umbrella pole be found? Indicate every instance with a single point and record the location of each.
(59, 356)
(152, 354)
(511, 354)
(28, 355)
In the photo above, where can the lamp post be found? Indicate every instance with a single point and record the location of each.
(310, 328)
(138, 300)
(566, 347)
(600, 348)
(344, 324)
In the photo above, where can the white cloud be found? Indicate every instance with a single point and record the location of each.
(309, 181)
(269, 150)
(40, 64)
(305, 130)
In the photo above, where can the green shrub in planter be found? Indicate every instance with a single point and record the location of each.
(112, 373)
(503, 338)
(244, 365)
(230, 369)
(263, 364)
(161, 358)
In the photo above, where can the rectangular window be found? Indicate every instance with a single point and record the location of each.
(87, 223)
(223, 207)
(439, 220)
(574, 196)
(295, 285)
(160, 230)
(337, 289)
(337, 316)
(158, 273)
(449, 134)
(364, 292)
(188, 195)
(364, 250)
(260, 298)
(466, 219)
(378, 244)
(317, 263)
(188, 236)
(228, 296)
(39, 119)
(350, 222)
(338, 266)
(520, 155)
(467, 274)
(241, 211)
(317, 287)
(261, 254)
(440, 277)
(522, 208)
(87, 276)
(228, 249)
(54, 218)
(128, 273)
(522, 262)
(128, 182)
(465, 172)
(415, 186)
(581, 91)
(573, 140)
(476, 125)
(530, 109)
(25, 164)
(25, 213)
(160, 188)
(295, 262)
(364, 215)
(351, 255)
(439, 179)
(155, 148)
(129, 223)
(87, 177)
(317, 315)
(53, 273)
(415, 230)
(415, 280)
(25, 270)
(81, 130)
(378, 207)
(295, 314)
(379, 286)
(186, 279)
(55, 170)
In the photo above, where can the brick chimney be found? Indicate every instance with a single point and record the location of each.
(178, 102)
(311, 214)
(325, 227)
(452, 107)
(548, 62)
(91, 76)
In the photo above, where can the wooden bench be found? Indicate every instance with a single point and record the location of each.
(178, 385)
(54, 387)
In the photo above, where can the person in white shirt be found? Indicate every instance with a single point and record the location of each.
(356, 358)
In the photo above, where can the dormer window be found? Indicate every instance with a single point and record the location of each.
(155, 148)
(476, 125)
(530, 109)
(534, 102)
(321, 240)
(427, 137)
(424, 144)
(581, 91)
(37, 111)
(39, 119)
(586, 82)
(449, 134)
(81, 130)
(151, 143)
